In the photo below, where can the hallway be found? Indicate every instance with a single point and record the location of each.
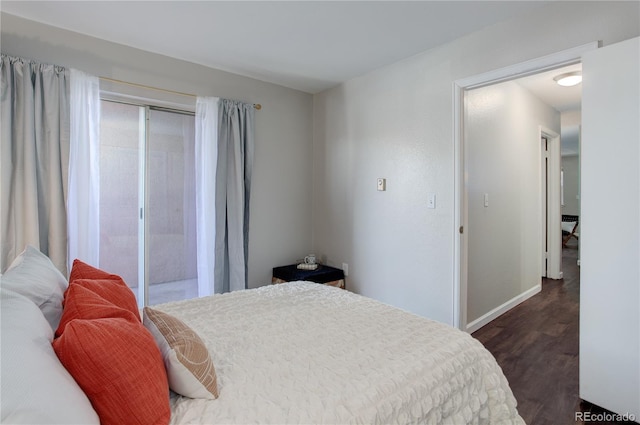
(537, 345)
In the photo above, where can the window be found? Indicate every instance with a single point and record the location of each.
(147, 200)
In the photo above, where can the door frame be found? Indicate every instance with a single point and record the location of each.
(554, 208)
(523, 69)
(544, 194)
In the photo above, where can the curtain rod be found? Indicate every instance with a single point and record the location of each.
(255, 105)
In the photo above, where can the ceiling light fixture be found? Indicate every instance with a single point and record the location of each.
(569, 79)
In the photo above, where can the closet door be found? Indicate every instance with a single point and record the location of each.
(610, 229)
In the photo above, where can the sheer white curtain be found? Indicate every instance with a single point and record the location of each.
(206, 165)
(83, 202)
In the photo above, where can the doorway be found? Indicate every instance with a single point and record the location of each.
(465, 196)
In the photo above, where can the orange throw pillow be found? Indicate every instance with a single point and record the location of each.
(114, 359)
(115, 291)
(81, 302)
(109, 286)
(81, 270)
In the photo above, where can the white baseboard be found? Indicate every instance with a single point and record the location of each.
(498, 311)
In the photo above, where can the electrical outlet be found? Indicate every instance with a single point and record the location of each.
(345, 269)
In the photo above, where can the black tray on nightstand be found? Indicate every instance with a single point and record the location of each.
(322, 274)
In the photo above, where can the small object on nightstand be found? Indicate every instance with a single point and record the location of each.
(305, 266)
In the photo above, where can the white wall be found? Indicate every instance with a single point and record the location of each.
(571, 167)
(280, 227)
(570, 122)
(397, 123)
(570, 135)
(503, 151)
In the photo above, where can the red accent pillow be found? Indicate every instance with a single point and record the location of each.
(81, 302)
(109, 286)
(114, 359)
(115, 291)
(81, 270)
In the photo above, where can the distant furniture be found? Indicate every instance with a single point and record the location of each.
(323, 274)
(569, 228)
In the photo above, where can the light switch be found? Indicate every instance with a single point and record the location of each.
(486, 200)
(382, 184)
(431, 200)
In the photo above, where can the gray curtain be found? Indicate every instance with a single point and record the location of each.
(34, 159)
(233, 189)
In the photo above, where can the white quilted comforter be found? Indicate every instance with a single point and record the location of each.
(302, 353)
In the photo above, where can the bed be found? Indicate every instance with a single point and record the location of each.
(298, 352)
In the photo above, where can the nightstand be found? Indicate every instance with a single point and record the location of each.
(323, 274)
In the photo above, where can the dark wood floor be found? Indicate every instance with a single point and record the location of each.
(537, 343)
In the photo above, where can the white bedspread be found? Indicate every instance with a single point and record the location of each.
(308, 354)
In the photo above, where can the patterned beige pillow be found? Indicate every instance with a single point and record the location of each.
(189, 366)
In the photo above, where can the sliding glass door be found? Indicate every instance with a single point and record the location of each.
(171, 207)
(147, 200)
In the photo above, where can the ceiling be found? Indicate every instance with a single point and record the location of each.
(546, 89)
(305, 45)
(563, 99)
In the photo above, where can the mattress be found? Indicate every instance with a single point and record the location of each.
(306, 353)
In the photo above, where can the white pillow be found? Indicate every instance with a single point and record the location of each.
(35, 387)
(33, 275)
